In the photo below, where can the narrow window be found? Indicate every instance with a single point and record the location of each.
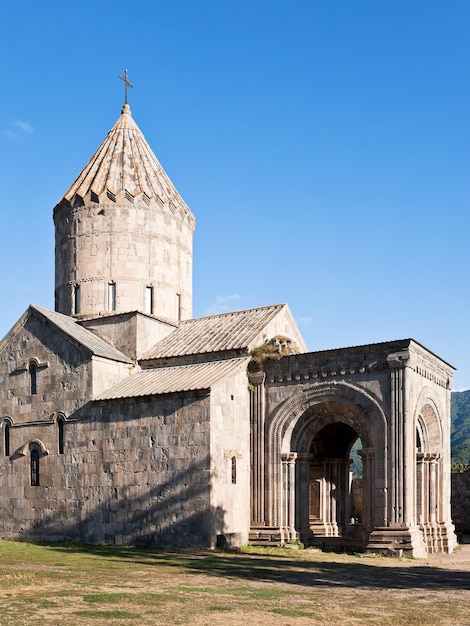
(33, 369)
(34, 468)
(76, 301)
(111, 296)
(234, 470)
(178, 307)
(60, 433)
(6, 434)
(149, 300)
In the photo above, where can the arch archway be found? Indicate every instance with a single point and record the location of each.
(310, 440)
(430, 497)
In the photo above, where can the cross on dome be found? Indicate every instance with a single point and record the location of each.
(127, 84)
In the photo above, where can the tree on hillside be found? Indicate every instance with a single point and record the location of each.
(460, 432)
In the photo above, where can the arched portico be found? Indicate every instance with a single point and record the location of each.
(307, 411)
(432, 495)
(309, 440)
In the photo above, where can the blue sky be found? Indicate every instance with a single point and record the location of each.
(322, 145)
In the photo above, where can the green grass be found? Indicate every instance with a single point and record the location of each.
(69, 584)
(109, 614)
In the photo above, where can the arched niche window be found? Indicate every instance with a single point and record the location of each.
(61, 433)
(34, 465)
(234, 470)
(6, 437)
(33, 373)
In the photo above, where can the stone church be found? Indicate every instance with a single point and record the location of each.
(124, 420)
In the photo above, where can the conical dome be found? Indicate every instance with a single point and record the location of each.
(125, 163)
(124, 234)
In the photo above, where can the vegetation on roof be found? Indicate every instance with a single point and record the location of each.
(270, 351)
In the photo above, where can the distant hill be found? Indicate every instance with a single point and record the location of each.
(460, 433)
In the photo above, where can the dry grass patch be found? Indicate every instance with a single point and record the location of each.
(101, 585)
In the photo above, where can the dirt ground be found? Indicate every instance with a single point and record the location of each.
(101, 586)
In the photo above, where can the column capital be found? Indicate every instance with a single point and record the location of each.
(289, 457)
(398, 359)
(256, 378)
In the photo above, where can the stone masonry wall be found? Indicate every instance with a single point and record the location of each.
(131, 472)
(64, 375)
(131, 245)
(460, 502)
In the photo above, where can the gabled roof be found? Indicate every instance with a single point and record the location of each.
(162, 380)
(125, 163)
(215, 333)
(87, 340)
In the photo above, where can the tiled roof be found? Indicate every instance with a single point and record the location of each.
(86, 338)
(227, 331)
(125, 163)
(176, 379)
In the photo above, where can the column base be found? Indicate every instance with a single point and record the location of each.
(439, 536)
(266, 536)
(325, 529)
(397, 541)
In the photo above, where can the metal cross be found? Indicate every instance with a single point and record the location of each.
(126, 82)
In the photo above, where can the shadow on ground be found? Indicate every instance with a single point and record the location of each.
(368, 573)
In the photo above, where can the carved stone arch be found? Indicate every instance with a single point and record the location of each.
(290, 412)
(59, 416)
(428, 421)
(31, 445)
(431, 498)
(329, 412)
(287, 434)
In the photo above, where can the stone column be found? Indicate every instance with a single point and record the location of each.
(291, 519)
(288, 496)
(369, 507)
(401, 531)
(303, 496)
(431, 526)
(421, 492)
(396, 448)
(257, 410)
(433, 487)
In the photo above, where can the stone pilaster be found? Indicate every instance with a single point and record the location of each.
(257, 411)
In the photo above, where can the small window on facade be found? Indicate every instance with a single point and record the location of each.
(111, 296)
(6, 437)
(149, 300)
(76, 300)
(61, 434)
(34, 468)
(178, 307)
(234, 470)
(33, 370)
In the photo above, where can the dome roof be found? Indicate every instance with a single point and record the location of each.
(125, 164)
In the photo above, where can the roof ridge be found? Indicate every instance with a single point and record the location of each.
(227, 313)
(86, 338)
